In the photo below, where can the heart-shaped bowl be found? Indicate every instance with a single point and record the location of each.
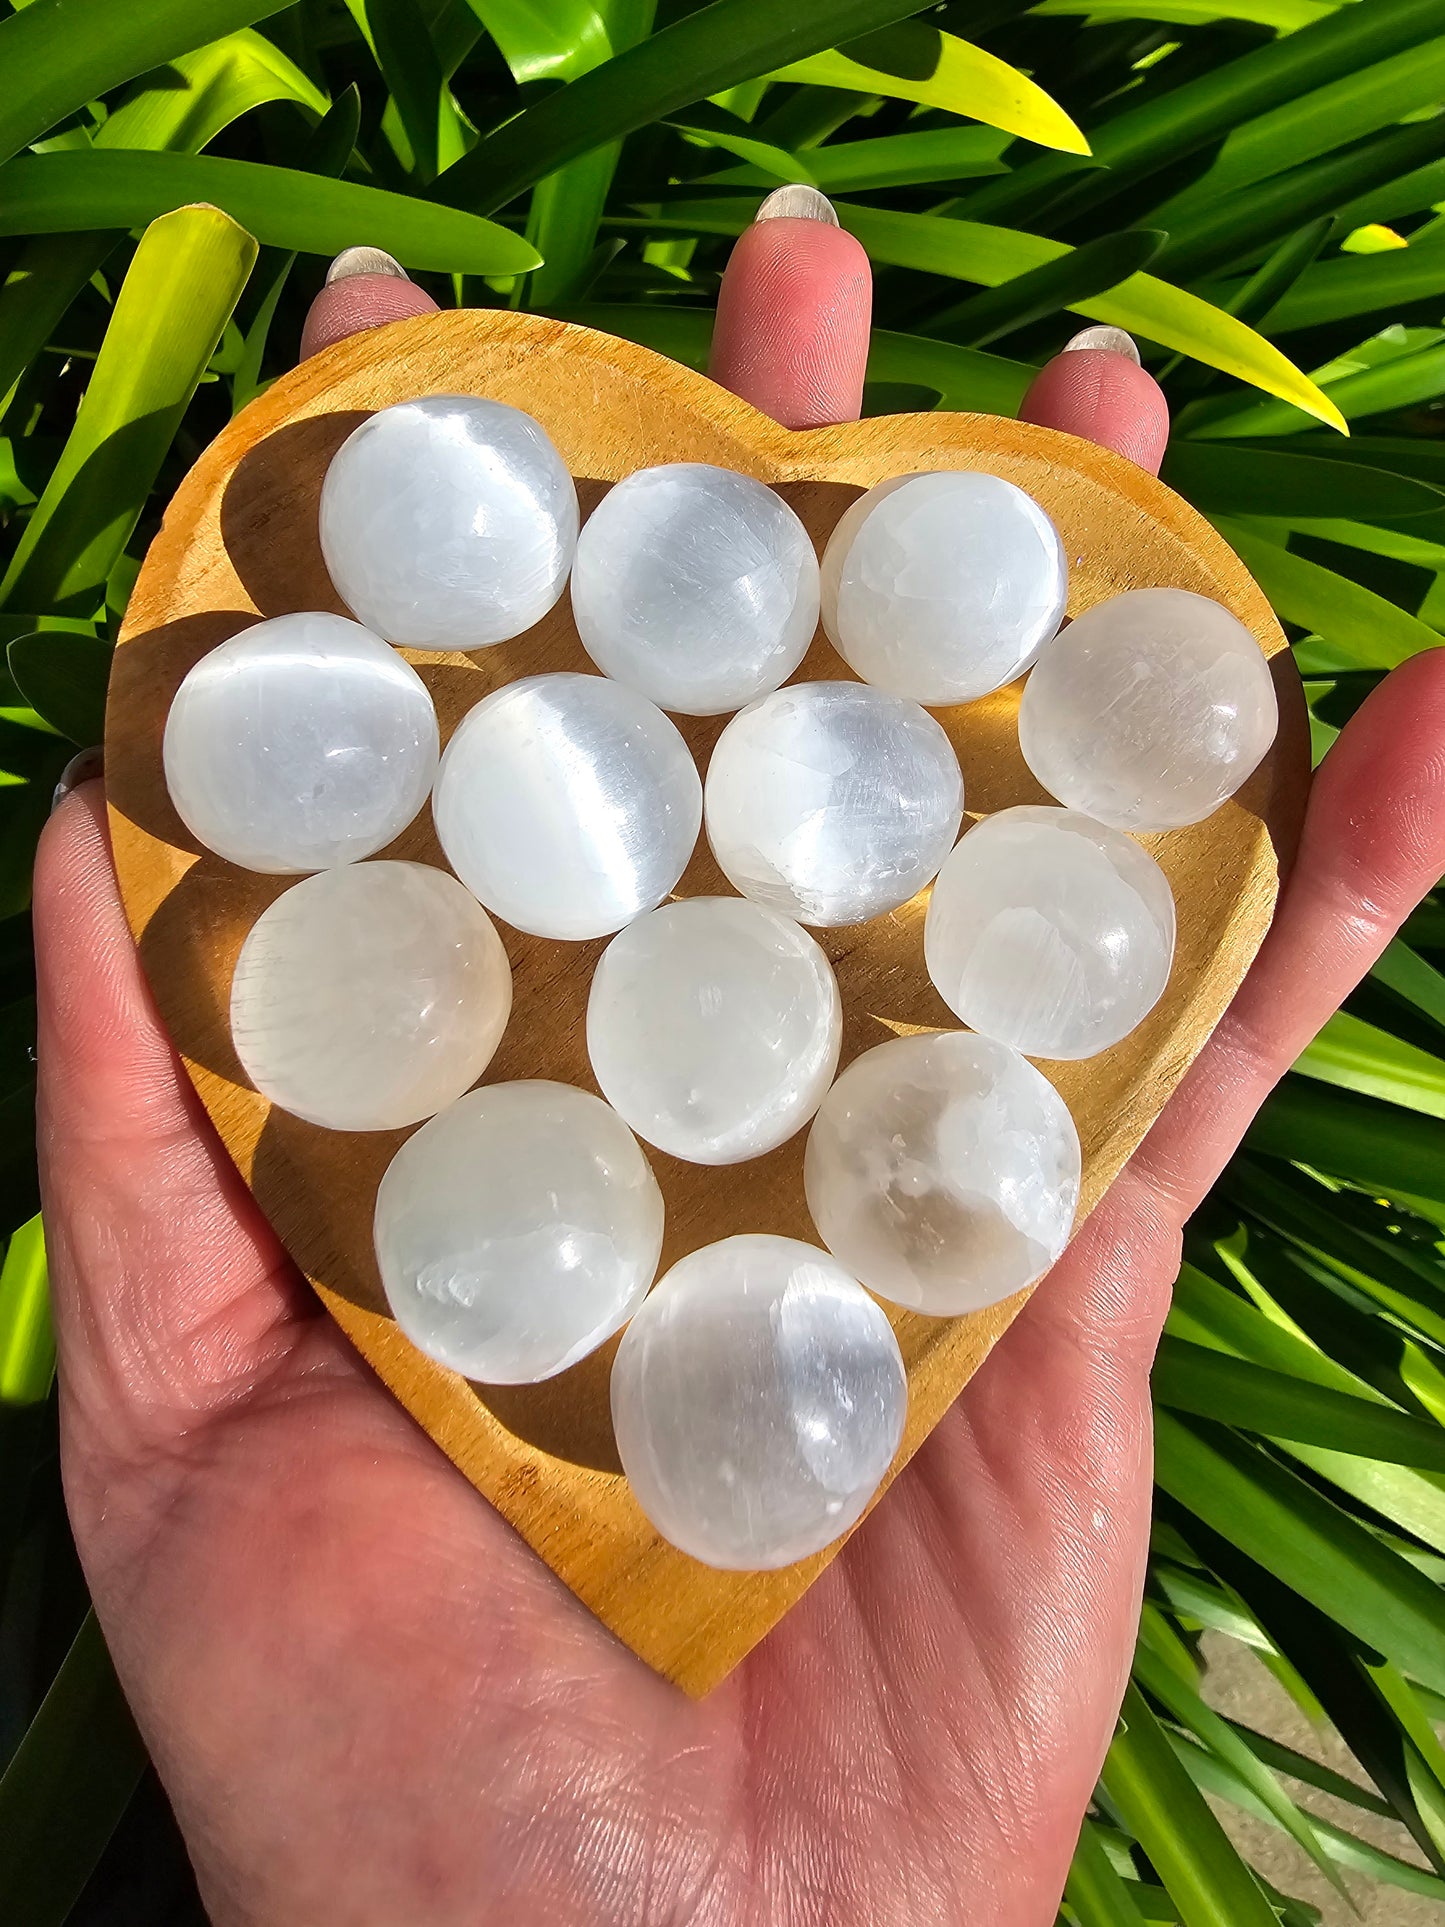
(240, 542)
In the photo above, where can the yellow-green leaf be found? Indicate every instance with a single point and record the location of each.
(188, 102)
(952, 74)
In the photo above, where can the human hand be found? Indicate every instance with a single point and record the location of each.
(367, 1699)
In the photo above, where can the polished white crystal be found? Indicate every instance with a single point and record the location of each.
(370, 996)
(697, 586)
(299, 744)
(943, 587)
(832, 802)
(449, 522)
(517, 1230)
(714, 1027)
(943, 1170)
(1149, 711)
(1050, 932)
(758, 1398)
(567, 804)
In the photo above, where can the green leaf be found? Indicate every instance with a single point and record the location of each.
(280, 206)
(898, 160)
(1278, 1520)
(1285, 15)
(967, 251)
(702, 54)
(1363, 630)
(183, 284)
(713, 128)
(197, 95)
(1410, 977)
(1089, 270)
(63, 678)
(1362, 284)
(1398, 382)
(1180, 1700)
(1099, 1896)
(58, 54)
(546, 39)
(67, 1786)
(48, 275)
(27, 1337)
(1361, 1057)
(1192, 1378)
(1243, 479)
(915, 61)
(1189, 1850)
(409, 65)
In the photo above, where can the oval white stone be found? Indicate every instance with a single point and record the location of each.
(714, 1028)
(567, 804)
(758, 1398)
(301, 743)
(1050, 932)
(831, 802)
(943, 1171)
(368, 997)
(943, 587)
(695, 585)
(449, 522)
(517, 1230)
(1149, 711)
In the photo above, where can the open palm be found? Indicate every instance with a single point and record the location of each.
(369, 1702)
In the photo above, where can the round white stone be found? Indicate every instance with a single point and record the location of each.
(1149, 711)
(943, 587)
(943, 1170)
(697, 586)
(517, 1230)
(758, 1398)
(1050, 932)
(831, 802)
(448, 523)
(301, 743)
(368, 997)
(714, 1028)
(567, 804)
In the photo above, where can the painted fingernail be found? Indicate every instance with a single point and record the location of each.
(797, 203)
(82, 768)
(1114, 340)
(352, 261)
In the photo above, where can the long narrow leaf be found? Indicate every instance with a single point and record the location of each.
(1361, 1057)
(27, 1338)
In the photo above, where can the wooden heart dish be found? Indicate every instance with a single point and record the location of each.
(240, 541)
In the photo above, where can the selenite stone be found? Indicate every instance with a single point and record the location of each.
(368, 997)
(1050, 932)
(943, 587)
(1149, 711)
(301, 743)
(758, 1398)
(832, 802)
(697, 586)
(567, 804)
(943, 1170)
(517, 1230)
(448, 523)
(714, 1027)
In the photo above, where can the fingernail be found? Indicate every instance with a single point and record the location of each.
(1113, 339)
(797, 203)
(352, 261)
(82, 768)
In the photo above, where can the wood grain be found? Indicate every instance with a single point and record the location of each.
(240, 542)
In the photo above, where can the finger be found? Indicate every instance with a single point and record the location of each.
(169, 1285)
(793, 314)
(1096, 389)
(365, 287)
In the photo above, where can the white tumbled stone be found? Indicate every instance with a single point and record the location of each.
(1149, 711)
(713, 1027)
(567, 804)
(944, 586)
(448, 522)
(517, 1230)
(370, 996)
(831, 802)
(758, 1398)
(301, 743)
(943, 1170)
(697, 586)
(1049, 931)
